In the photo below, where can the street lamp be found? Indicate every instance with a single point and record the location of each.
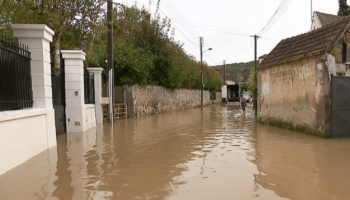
(202, 72)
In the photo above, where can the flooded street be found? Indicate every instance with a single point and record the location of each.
(214, 153)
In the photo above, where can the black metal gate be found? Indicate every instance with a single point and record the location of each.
(59, 98)
(340, 106)
(89, 88)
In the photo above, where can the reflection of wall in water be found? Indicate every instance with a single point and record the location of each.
(79, 144)
(32, 179)
(298, 166)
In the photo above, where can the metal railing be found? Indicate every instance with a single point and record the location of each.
(15, 76)
(58, 85)
(89, 87)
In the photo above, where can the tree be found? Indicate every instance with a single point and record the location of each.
(74, 21)
(145, 53)
(251, 85)
(343, 8)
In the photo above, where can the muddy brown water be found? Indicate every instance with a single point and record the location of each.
(209, 154)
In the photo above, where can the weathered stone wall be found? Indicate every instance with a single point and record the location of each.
(218, 98)
(296, 96)
(145, 100)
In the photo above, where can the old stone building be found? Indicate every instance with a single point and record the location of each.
(294, 81)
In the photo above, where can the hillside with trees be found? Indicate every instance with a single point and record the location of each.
(238, 71)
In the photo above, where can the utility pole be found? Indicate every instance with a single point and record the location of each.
(224, 72)
(312, 19)
(255, 93)
(201, 41)
(201, 49)
(110, 66)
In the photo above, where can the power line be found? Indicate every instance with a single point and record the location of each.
(176, 13)
(232, 31)
(183, 33)
(280, 15)
(276, 16)
(270, 40)
(178, 29)
(187, 26)
(184, 21)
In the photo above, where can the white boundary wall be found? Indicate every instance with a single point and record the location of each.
(25, 133)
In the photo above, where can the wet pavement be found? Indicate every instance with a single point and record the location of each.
(215, 153)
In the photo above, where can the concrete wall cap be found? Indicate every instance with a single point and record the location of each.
(17, 114)
(95, 69)
(88, 106)
(31, 31)
(73, 54)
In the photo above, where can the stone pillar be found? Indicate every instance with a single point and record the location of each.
(74, 72)
(38, 37)
(97, 71)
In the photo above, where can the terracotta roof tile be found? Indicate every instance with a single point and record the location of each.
(307, 44)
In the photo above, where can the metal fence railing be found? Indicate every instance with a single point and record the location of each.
(89, 87)
(58, 85)
(15, 76)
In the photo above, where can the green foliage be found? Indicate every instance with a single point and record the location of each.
(132, 64)
(343, 8)
(238, 71)
(212, 81)
(251, 85)
(145, 53)
(73, 21)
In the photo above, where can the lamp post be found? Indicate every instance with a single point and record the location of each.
(202, 69)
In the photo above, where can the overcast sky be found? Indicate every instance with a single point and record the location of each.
(193, 19)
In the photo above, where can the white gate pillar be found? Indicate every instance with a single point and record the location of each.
(74, 74)
(37, 37)
(97, 71)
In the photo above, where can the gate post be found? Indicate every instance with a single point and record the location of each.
(74, 73)
(38, 38)
(97, 71)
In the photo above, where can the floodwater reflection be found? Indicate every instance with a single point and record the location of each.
(216, 152)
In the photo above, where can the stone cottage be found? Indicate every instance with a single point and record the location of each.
(294, 81)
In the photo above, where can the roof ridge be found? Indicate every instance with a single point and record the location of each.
(327, 13)
(319, 29)
(307, 44)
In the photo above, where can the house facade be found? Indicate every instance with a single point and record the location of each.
(294, 81)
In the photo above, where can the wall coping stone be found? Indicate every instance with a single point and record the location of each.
(17, 114)
(89, 106)
(73, 54)
(95, 69)
(32, 31)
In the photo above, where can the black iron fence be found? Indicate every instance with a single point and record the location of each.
(89, 87)
(58, 85)
(15, 76)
